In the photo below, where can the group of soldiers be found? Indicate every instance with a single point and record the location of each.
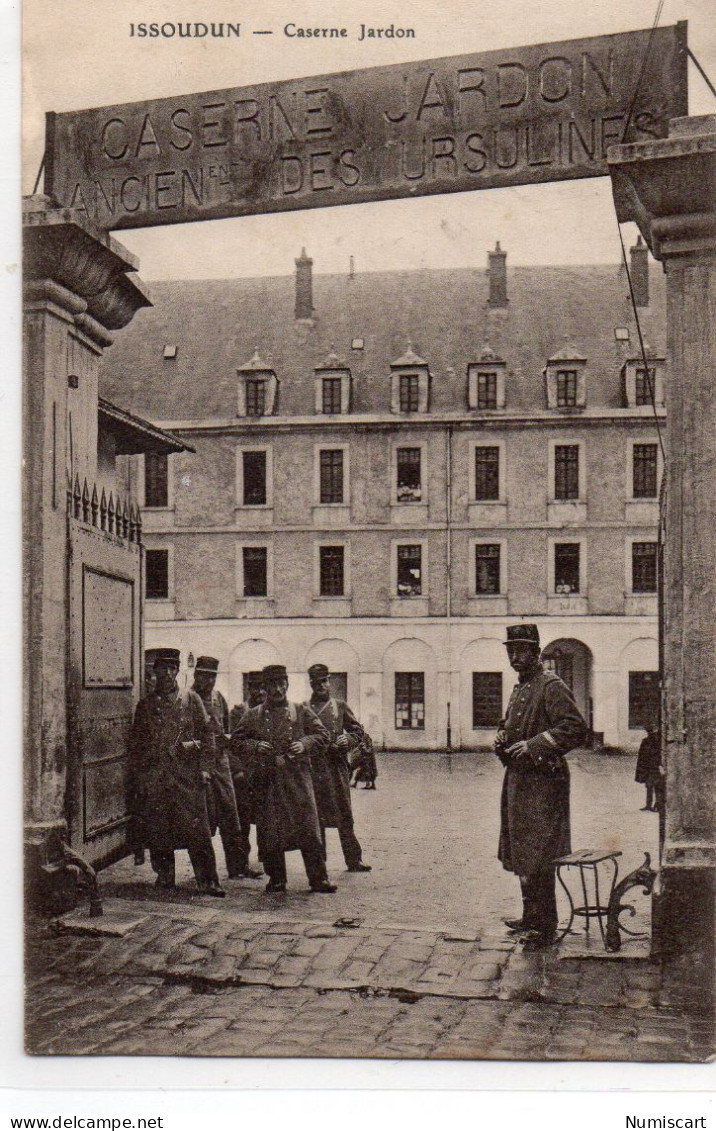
(283, 767)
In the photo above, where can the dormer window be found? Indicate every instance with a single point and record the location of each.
(565, 377)
(410, 383)
(487, 389)
(255, 396)
(332, 386)
(486, 382)
(258, 388)
(643, 385)
(409, 392)
(566, 388)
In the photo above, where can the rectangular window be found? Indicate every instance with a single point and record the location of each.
(487, 569)
(566, 471)
(643, 699)
(338, 683)
(644, 476)
(409, 475)
(255, 396)
(486, 699)
(643, 567)
(331, 571)
(644, 384)
(566, 388)
(157, 575)
(255, 571)
(566, 568)
(331, 476)
(410, 571)
(254, 479)
(487, 474)
(331, 394)
(487, 390)
(409, 392)
(410, 701)
(156, 480)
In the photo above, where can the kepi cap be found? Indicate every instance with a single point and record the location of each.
(274, 671)
(318, 671)
(207, 664)
(522, 634)
(166, 655)
(255, 679)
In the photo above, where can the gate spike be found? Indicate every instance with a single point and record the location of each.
(94, 505)
(85, 502)
(125, 518)
(110, 514)
(103, 511)
(132, 524)
(77, 497)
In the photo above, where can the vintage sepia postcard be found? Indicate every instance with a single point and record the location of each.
(368, 606)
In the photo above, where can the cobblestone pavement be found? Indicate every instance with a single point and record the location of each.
(407, 961)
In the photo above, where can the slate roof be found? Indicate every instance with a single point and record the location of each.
(218, 324)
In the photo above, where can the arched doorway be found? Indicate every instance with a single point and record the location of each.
(571, 660)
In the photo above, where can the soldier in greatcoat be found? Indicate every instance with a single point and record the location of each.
(331, 768)
(221, 799)
(541, 725)
(171, 755)
(279, 738)
(242, 767)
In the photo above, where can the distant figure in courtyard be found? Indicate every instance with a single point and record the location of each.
(541, 725)
(279, 738)
(242, 767)
(330, 766)
(363, 764)
(171, 756)
(221, 799)
(648, 767)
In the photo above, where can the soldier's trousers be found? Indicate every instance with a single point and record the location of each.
(226, 817)
(275, 866)
(202, 859)
(244, 807)
(352, 851)
(539, 901)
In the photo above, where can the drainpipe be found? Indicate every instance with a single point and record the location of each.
(448, 577)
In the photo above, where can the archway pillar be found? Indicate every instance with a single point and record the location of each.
(666, 187)
(606, 693)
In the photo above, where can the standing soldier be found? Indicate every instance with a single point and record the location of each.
(171, 755)
(541, 725)
(331, 769)
(241, 766)
(221, 800)
(279, 739)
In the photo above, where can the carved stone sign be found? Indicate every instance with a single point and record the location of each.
(540, 113)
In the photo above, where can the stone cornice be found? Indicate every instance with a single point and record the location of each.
(59, 245)
(388, 423)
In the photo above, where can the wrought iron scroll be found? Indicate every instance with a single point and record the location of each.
(644, 877)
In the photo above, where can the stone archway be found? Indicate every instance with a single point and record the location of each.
(571, 660)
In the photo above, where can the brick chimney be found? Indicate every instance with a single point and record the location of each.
(304, 287)
(497, 272)
(639, 271)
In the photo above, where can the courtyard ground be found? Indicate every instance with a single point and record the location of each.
(409, 960)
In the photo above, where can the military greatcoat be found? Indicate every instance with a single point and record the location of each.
(535, 826)
(284, 802)
(171, 744)
(217, 709)
(331, 766)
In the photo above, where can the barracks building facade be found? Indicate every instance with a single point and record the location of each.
(390, 467)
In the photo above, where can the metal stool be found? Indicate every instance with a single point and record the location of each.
(588, 859)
